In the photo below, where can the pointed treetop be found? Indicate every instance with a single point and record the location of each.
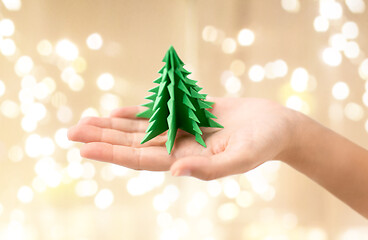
(171, 53)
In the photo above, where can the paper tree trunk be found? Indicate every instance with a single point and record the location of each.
(176, 103)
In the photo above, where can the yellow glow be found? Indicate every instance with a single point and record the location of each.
(228, 211)
(104, 198)
(23, 66)
(356, 6)
(245, 199)
(256, 73)
(351, 50)
(79, 65)
(25, 194)
(299, 80)
(350, 30)
(340, 90)
(12, 5)
(233, 85)
(321, 24)
(291, 5)
(6, 27)
(76, 83)
(209, 34)
(246, 37)
(237, 67)
(44, 47)
(317, 234)
(7, 47)
(332, 57)
(67, 50)
(330, 9)
(105, 81)
(228, 46)
(94, 41)
(86, 188)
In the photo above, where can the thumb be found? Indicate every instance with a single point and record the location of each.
(203, 167)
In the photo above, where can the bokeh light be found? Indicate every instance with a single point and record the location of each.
(246, 37)
(340, 90)
(94, 41)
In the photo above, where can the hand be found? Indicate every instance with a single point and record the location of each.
(255, 130)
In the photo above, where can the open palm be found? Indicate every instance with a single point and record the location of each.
(255, 130)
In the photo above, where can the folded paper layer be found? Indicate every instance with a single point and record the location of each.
(176, 104)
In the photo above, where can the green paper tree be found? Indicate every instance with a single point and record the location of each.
(176, 103)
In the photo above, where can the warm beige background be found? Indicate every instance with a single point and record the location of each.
(135, 36)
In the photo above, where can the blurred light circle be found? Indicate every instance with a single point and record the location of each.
(337, 41)
(330, 9)
(351, 50)
(321, 24)
(10, 109)
(161, 203)
(340, 90)
(7, 47)
(246, 37)
(228, 45)
(28, 124)
(44, 47)
(292, 6)
(356, 6)
(90, 112)
(171, 192)
(233, 85)
(214, 188)
(50, 84)
(64, 114)
(299, 79)
(293, 102)
(12, 5)
(76, 83)
(88, 170)
(350, 30)
(6, 27)
(75, 170)
(23, 66)
(237, 67)
(231, 188)
(104, 198)
(316, 234)
(79, 65)
(363, 69)
(61, 138)
(109, 101)
(245, 199)
(209, 34)
(105, 81)
(256, 73)
(354, 111)
(25, 194)
(2, 88)
(48, 146)
(332, 57)
(67, 50)
(94, 41)
(281, 68)
(33, 145)
(365, 99)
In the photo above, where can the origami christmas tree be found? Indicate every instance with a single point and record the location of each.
(176, 103)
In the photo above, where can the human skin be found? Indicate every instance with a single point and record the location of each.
(255, 131)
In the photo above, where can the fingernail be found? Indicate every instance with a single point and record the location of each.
(179, 173)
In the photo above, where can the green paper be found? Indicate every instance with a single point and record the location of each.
(176, 104)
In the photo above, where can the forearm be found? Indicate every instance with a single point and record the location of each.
(332, 161)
